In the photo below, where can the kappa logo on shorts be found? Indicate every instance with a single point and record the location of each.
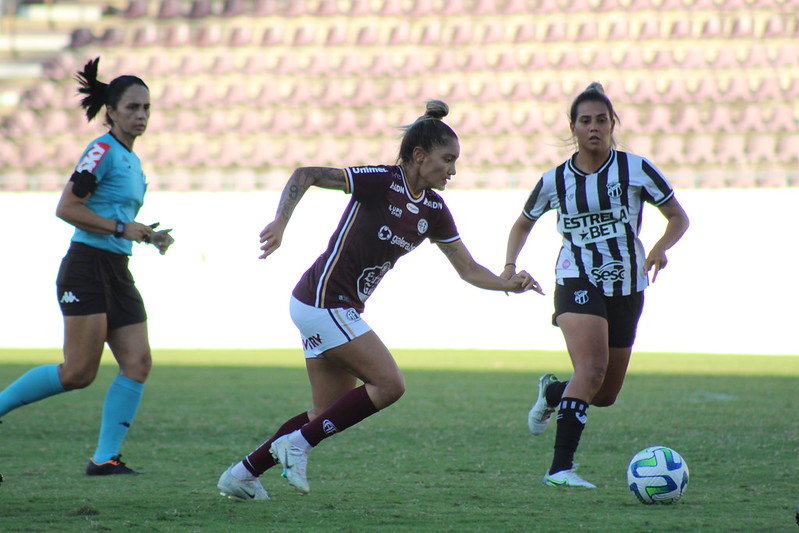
(581, 297)
(69, 298)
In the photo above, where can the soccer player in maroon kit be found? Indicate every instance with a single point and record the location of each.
(392, 210)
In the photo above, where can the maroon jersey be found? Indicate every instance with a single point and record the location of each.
(382, 222)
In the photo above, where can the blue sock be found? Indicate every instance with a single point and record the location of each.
(121, 404)
(36, 384)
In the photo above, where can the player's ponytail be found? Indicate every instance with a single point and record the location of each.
(428, 131)
(99, 94)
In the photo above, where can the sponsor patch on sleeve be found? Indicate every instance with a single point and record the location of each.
(93, 156)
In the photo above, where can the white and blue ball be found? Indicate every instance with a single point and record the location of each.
(657, 474)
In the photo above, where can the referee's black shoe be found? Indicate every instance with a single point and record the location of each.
(109, 468)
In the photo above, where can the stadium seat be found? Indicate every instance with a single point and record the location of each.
(136, 9)
(742, 28)
(295, 8)
(265, 8)
(462, 34)
(367, 36)
(524, 33)
(304, 36)
(81, 37)
(688, 119)
(336, 35)
(669, 149)
(700, 148)
(751, 118)
(326, 8)
(272, 36)
(240, 36)
(730, 148)
(359, 8)
(233, 8)
(111, 37)
(724, 58)
(619, 29)
(177, 34)
(761, 146)
(420, 8)
(782, 118)
(391, 8)
(680, 29)
(788, 147)
(146, 35)
(208, 35)
(200, 9)
(649, 29)
(169, 9)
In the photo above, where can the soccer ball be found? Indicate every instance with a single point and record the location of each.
(657, 475)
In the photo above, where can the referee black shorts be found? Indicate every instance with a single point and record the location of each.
(578, 295)
(92, 281)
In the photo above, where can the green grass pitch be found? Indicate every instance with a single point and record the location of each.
(453, 455)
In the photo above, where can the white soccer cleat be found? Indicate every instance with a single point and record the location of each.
(541, 412)
(566, 478)
(294, 461)
(232, 487)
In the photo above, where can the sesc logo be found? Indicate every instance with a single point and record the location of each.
(613, 271)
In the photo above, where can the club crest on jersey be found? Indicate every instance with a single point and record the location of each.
(614, 190)
(353, 315)
(93, 156)
(422, 226)
(369, 279)
(412, 208)
(581, 297)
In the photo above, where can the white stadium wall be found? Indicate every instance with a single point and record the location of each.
(730, 286)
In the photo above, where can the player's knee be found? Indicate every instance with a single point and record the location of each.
(73, 380)
(603, 401)
(137, 368)
(390, 391)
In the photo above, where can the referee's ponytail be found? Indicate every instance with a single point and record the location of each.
(99, 94)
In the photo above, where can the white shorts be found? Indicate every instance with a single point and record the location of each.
(323, 329)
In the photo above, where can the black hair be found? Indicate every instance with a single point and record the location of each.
(99, 94)
(428, 131)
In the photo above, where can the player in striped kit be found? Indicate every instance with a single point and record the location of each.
(392, 210)
(602, 268)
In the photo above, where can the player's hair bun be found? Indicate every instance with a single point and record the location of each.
(595, 86)
(436, 109)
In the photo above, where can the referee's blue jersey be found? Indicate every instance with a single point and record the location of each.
(120, 190)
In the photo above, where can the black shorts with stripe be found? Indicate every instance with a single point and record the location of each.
(578, 295)
(92, 281)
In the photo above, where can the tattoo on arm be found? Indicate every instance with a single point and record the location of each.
(302, 179)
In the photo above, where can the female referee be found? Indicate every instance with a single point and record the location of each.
(392, 210)
(95, 290)
(601, 270)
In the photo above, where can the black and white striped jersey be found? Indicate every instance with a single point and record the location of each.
(599, 218)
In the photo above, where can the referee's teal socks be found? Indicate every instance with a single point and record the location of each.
(36, 384)
(119, 409)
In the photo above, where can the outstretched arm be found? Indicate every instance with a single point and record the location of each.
(516, 240)
(476, 274)
(675, 228)
(299, 182)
